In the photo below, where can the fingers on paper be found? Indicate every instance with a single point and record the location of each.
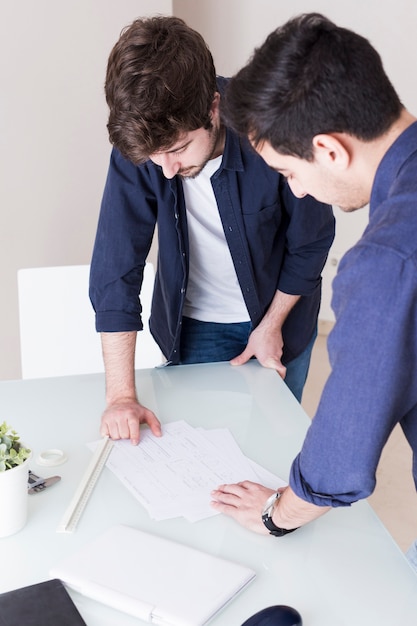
(233, 494)
(154, 424)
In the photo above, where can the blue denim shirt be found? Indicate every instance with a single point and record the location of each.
(373, 346)
(276, 241)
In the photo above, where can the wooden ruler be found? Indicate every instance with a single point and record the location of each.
(84, 490)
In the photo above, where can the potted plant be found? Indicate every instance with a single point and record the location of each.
(14, 459)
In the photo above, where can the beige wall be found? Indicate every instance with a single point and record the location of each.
(54, 148)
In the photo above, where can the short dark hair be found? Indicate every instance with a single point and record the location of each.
(160, 83)
(310, 77)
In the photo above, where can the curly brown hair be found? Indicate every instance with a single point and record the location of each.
(160, 84)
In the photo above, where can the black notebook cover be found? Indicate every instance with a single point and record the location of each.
(43, 604)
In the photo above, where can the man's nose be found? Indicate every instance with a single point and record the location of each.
(296, 188)
(170, 165)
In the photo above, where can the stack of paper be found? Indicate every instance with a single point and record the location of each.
(173, 475)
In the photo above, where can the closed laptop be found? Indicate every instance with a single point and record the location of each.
(152, 578)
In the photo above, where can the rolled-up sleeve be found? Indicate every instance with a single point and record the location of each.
(124, 236)
(372, 352)
(309, 236)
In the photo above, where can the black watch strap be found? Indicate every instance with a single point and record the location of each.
(267, 517)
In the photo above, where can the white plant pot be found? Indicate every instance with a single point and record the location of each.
(14, 499)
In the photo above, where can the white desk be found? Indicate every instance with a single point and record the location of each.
(342, 570)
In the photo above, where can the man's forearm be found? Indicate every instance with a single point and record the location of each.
(292, 512)
(279, 309)
(119, 362)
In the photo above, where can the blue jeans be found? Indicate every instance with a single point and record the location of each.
(209, 342)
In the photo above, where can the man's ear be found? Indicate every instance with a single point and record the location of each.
(332, 151)
(215, 105)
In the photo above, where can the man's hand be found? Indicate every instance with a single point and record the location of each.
(265, 343)
(122, 420)
(244, 502)
(124, 413)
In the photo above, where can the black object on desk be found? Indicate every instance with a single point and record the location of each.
(279, 615)
(44, 604)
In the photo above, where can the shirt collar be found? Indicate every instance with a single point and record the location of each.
(393, 160)
(232, 153)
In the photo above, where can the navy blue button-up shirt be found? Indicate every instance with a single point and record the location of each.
(276, 241)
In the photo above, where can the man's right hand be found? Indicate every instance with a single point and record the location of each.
(124, 413)
(122, 419)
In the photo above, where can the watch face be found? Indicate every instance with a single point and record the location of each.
(267, 517)
(269, 504)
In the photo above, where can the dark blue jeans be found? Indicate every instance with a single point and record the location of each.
(209, 342)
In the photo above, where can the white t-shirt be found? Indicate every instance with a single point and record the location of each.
(213, 292)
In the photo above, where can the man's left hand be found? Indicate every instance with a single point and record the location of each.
(244, 502)
(266, 345)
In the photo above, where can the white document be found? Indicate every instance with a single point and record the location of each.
(173, 475)
(151, 578)
(223, 439)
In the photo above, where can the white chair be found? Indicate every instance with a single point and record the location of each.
(57, 325)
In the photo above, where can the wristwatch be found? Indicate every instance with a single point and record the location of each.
(267, 517)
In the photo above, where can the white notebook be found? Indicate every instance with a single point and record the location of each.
(154, 579)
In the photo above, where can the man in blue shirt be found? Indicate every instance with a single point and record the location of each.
(239, 256)
(318, 107)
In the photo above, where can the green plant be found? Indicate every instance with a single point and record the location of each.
(12, 452)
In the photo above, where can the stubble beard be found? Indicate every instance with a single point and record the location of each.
(195, 170)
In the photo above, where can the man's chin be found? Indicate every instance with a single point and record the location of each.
(351, 209)
(192, 172)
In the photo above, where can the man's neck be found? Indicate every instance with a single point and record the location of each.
(369, 154)
(219, 147)
(396, 129)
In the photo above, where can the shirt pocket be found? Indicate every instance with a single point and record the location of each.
(263, 224)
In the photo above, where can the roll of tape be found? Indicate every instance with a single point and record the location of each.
(51, 457)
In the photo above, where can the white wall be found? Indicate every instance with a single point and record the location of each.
(54, 146)
(233, 28)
